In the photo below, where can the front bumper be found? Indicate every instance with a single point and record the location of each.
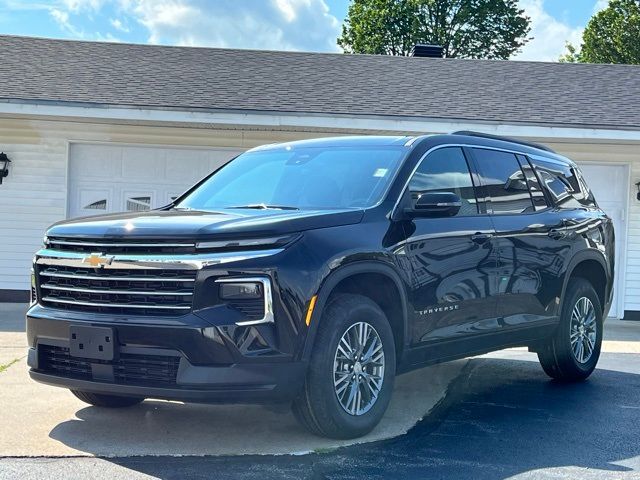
(186, 359)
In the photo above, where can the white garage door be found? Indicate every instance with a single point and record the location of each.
(610, 185)
(118, 178)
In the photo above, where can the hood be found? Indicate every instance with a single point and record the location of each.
(199, 225)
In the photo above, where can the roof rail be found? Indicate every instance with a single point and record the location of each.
(471, 133)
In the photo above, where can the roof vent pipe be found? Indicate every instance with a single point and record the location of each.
(431, 51)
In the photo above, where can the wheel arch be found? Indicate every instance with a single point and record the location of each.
(349, 273)
(593, 267)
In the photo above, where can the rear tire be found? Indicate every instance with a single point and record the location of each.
(572, 353)
(106, 401)
(347, 390)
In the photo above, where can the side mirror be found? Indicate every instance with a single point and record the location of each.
(436, 204)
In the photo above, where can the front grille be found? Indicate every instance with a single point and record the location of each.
(58, 361)
(112, 247)
(129, 369)
(117, 291)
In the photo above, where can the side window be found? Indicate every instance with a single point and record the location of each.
(584, 194)
(505, 182)
(564, 184)
(537, 195)
(446, 170)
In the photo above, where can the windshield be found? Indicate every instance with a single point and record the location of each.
(299, 178)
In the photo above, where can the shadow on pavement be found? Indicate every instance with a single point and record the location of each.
(12, 317)
(172, 428)
(622, 330)
(502, 418)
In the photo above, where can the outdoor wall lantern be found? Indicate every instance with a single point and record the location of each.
(638, 194)
(4, 166)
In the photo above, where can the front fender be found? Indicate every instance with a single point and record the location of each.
(335, 277)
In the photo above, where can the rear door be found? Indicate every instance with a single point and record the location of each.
(531, 242)
(451, 260)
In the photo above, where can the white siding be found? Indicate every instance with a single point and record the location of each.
(33, 196)
(632, 275)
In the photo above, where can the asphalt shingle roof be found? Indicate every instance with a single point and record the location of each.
(37, 70)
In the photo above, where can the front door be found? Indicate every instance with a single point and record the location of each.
(451, 259)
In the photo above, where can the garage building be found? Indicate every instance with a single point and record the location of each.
(103, 127)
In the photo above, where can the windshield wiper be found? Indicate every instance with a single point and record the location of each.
(262, 206)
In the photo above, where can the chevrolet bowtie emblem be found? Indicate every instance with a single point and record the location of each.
(98, 260)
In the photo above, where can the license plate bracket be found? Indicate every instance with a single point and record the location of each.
(97, 343)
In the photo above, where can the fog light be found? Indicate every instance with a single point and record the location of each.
(240, 291)
(247, 293)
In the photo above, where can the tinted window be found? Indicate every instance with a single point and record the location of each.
(563, 183)
(537, 195)
(446, 170)
(300, 177)
(505, 182)
(583, 194)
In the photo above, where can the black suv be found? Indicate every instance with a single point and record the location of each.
(313, 272)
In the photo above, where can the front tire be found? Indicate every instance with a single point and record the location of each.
(572, 353)
(107, 401)
(351, 374)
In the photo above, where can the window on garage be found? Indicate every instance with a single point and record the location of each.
(109, 178)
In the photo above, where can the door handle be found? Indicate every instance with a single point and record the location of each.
(556, 233)
(481, 238)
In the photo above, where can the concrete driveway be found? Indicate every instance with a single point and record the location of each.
(39, 420)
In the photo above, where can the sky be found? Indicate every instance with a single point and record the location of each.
(304, 25)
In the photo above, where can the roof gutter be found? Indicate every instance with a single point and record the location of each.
(280, 120)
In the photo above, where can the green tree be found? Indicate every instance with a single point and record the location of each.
(572, 55)
(612, 36)
(494, 29)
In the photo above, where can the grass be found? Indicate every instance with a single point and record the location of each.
(7, 365)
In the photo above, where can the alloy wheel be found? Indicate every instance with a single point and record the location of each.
(358, 368)
(583, 330)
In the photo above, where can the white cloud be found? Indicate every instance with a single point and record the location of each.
(61, 17)
(305, 25)
(600, 5)
(106, 38)
(118, 25)
(268, 24)
(549, 34)
(76, 6)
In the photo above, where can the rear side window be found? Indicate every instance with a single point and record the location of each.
(584, 194)
(504, 181)
(563, 183)
(446, 170)
(537, 194)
